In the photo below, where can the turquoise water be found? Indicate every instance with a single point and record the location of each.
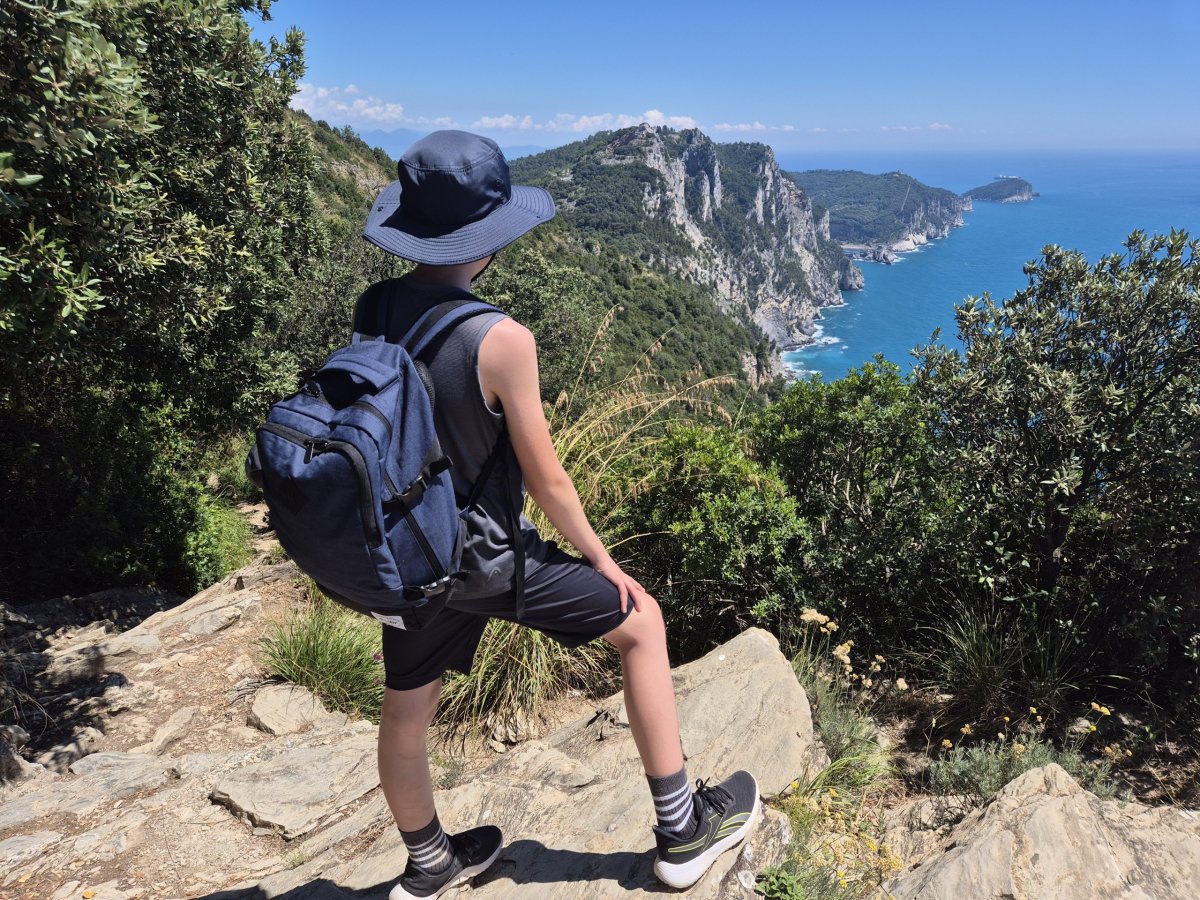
(1090, 202)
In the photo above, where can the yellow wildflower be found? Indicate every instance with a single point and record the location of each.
(832, 626)
(1000, 735)
(1091, 728)
(1129, 753)
(879, 659)
(1039, 718)
(1006, 718)
(966, 729)
(1095, 706)
(1105, 711)
(946, 745)
(901, 684)
(1033, 710)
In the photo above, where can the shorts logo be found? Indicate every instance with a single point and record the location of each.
(394, 621)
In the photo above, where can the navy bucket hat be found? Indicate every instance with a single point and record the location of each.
(454, 202)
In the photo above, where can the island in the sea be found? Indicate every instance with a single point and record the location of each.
(1004, 189)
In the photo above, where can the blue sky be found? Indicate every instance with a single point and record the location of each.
(868, 76)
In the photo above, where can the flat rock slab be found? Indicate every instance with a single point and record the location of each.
(575, 809)
(1043, 837)
(25, 846)
(284, 709)
(104, 777)
(295, 790)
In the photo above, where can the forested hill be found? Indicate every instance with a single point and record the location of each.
(1005, 189)
(720, 215)
(890, 209)
(558, 280)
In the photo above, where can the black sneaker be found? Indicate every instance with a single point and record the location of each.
(727, 812)
(474, 851)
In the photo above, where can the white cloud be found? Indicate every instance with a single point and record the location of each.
(752, 126)
(569, 122)
(936, 126)
(346, 106)
(817, 130)
(505, 121)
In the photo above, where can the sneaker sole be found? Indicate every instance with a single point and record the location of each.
(682, 875)
(398, 893)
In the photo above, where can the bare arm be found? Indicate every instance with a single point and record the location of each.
(508, 376)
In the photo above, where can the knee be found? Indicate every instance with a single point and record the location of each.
(643, 627)
(409, 712)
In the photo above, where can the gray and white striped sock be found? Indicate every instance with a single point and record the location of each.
(429, 848)
(673, 802)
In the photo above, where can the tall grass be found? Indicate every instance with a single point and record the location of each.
(332, 651)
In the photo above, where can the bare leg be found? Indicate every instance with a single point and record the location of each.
(649, 693)
(403, 759)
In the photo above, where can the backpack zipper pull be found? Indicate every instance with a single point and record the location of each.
(313, 447)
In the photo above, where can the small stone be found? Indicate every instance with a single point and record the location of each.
(15, 735)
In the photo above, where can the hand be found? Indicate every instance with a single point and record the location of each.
(627, 585)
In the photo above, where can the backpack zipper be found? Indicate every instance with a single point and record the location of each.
(313, 447)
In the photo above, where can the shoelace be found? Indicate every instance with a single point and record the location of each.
(715, 795)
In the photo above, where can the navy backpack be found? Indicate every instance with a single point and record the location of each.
(357, 485)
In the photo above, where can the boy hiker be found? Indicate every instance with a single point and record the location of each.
(451, 210)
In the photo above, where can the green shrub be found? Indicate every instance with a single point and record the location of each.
(219, 543)
(716, 536)
(332, 651)
(156, 212)
(227, 464)
(795, 881)
(981, 770)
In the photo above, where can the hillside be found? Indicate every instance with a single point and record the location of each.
(892, 210)
(1003, 190)
(719, 215)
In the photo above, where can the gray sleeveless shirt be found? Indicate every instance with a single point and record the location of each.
(467, 429)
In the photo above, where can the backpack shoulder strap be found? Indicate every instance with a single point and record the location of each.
(439, 320)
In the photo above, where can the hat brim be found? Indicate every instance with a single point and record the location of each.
(389, 229)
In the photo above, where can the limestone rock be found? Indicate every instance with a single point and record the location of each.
(60, 757)
(15, 735)
(575, 809)
(171, 731)
(295, 790)
(739, 707)
(96, 659)
(1043, 837)
(217, 620)
(17, 849)
(105, 778)
(284, 709)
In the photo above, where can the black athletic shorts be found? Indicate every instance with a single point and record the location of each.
(565, 598)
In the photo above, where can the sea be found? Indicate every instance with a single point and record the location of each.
(1088, 201)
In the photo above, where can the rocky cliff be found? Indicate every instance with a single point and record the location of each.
(721, 215)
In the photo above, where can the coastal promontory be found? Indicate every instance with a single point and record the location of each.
(874, 217)
(1004, 189)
